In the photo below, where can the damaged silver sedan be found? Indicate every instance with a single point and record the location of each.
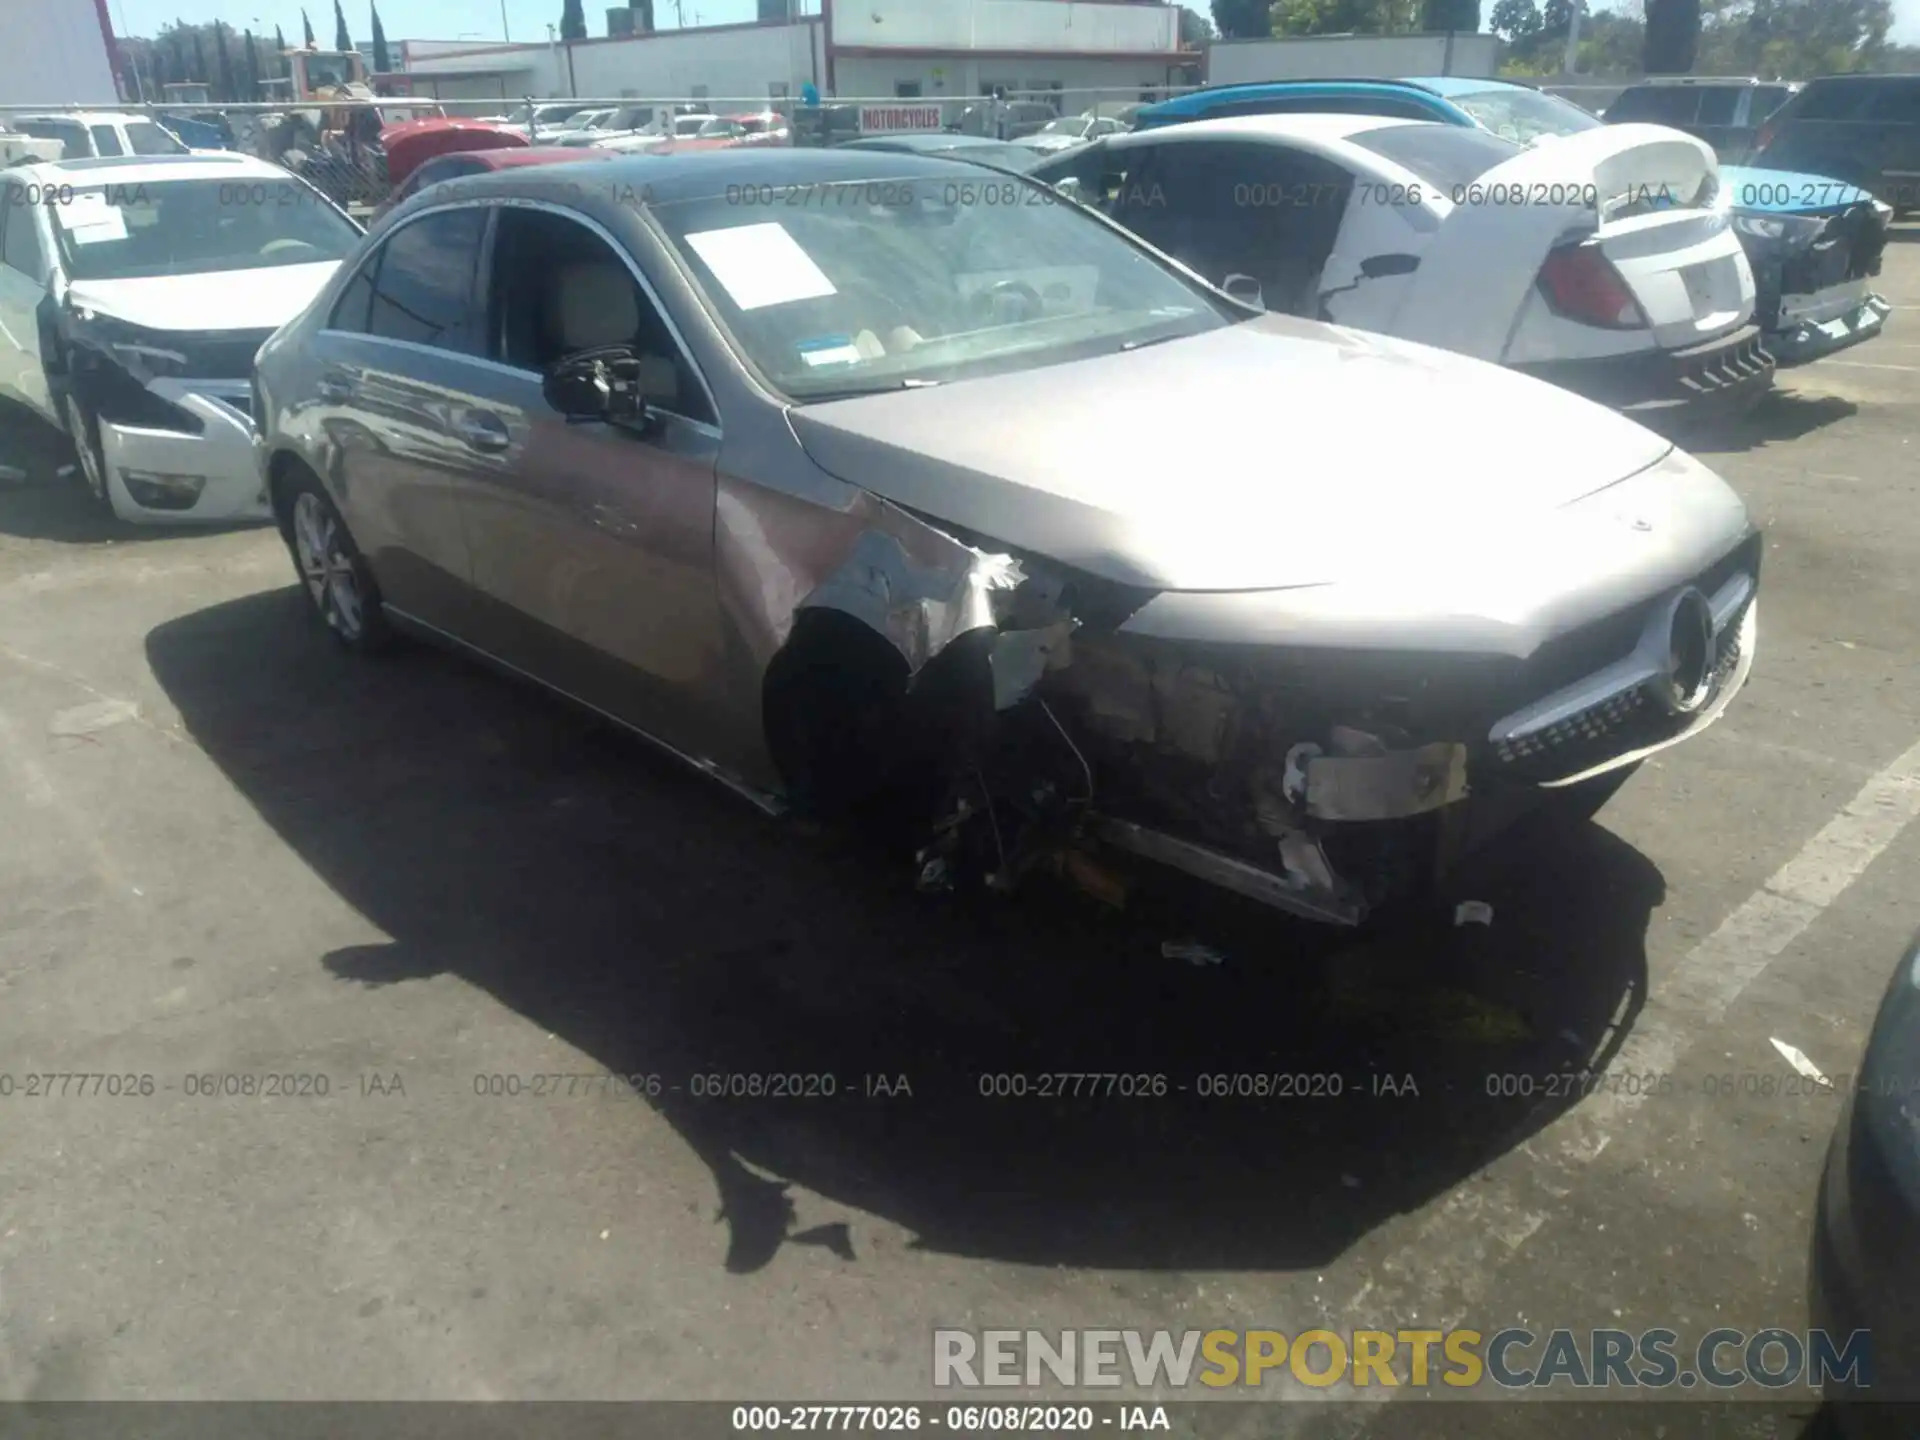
(890, 488)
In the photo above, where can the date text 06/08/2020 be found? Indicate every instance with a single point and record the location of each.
(1004, 1419)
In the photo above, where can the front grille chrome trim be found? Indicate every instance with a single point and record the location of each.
(1626, 677)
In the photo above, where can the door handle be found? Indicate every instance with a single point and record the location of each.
(482, 430)
(335, 388)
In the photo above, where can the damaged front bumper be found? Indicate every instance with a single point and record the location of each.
(1812, 274)
(169, 477)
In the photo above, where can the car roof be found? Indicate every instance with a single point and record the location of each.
(1310, 126)
(84, 116)
(1657, 82)
(1196, 102)
(151, 169)
(1447, 86)
(508, 158)
(711, 173)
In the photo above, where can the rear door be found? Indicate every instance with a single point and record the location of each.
(399, 363)
(1628, 190)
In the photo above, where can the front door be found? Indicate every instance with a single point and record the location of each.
(592, 543)
(23, 288)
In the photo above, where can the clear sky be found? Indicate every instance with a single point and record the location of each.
(526, 19)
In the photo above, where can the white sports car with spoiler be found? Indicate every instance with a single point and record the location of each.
(1604, 262)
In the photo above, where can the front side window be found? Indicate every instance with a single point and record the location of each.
(1831, 100)
(925, 278)
(194, 227)
(558, 288)
(423, 291)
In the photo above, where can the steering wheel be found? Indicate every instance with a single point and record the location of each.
(988, 306)
(284, 242)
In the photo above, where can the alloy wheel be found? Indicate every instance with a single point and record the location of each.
(327, 566)
(91, 468)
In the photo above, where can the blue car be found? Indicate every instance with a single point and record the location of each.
(1813, 243)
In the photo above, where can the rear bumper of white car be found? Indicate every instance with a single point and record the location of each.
(165, 477)
(1724, 375)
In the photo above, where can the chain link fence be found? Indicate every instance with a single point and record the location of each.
(356, 151)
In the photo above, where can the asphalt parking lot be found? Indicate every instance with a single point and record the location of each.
(227, 849)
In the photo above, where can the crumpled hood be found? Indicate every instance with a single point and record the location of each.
(1787, 192)
(1273, 453)
(221, 300)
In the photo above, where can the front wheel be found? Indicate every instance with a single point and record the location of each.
(1580, 802)
(86, 449)
(338, 583)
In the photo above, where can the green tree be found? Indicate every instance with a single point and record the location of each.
(279, 53)
(1515, 19)
(229, 90)
(309, 42)
(342, 38)
(1673, 36)
(382, 61)
(1242, 19)
(200, 71)
(1195, 29)
(1344, 17)
(573, 21)
(253, 68)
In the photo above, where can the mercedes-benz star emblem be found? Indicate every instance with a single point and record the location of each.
(1686, 678)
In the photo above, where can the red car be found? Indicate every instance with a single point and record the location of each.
(478, 162)
(413, 142)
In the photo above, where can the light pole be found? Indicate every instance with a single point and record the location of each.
(505, 34)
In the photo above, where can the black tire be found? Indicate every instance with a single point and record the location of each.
(1579, 803)
(85, 434)
(340, 589)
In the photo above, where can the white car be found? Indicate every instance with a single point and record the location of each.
(1069, 131)
(701, 125)
(1603, 261)
(133, 294)
(88, 133)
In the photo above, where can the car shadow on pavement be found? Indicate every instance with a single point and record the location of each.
(647, 918)
(1781, 415)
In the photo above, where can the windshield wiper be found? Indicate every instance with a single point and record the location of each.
(854, 392)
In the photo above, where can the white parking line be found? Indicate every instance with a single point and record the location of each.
(1868, 365)
(1441, 1274)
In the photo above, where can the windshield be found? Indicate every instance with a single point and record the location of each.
(1523, 116)
(1006, 157)
(888, 283)
(192, 227)
(146, 138)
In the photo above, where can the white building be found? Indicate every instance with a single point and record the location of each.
(57, 53)
(948, 50)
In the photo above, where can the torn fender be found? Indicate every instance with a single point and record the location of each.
(919, 605)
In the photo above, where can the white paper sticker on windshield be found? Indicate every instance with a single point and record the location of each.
(88, 218)
(760, 265)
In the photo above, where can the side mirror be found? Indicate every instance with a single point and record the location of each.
(1246, 290)
(1378, 267)
(601, 384)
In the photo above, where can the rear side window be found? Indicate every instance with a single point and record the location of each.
(1834, 100)
(1895, 100)
(424, 291)
(1444, 156)
(1718, 104)
(1657, 105)
(1766, 100)
(70, 133)
(105, 141)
